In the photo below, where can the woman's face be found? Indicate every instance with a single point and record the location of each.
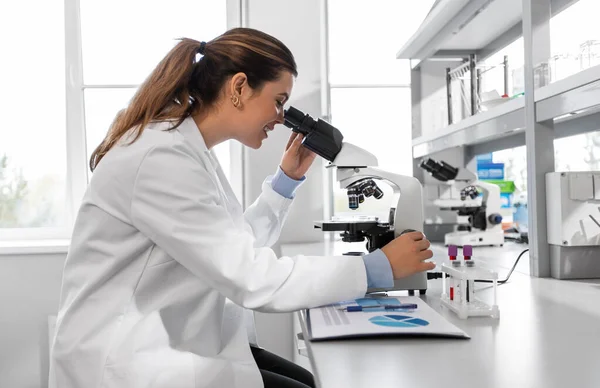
(261, 109)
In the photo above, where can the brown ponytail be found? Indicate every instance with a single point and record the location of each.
(180, 85)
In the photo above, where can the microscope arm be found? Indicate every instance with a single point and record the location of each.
(491, 195)
(409, 209)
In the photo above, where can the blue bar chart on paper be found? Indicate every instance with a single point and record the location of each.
(379, 316)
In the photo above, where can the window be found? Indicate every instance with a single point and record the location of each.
(101, 106)
(568, 156)
(141, 32)
(121, 42)
(574, 39)
(117, 59)
(377, 119)
(369, 87)
(33, 138)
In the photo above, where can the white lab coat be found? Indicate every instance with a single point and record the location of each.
(160, 244)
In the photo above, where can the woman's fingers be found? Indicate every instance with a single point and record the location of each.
(291, 140)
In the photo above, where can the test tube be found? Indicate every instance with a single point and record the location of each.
(467, 254)
(469, 262)
(452, 253)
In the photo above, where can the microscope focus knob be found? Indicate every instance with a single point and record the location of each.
(495, 218)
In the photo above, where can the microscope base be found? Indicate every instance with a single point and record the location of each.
(481, 238)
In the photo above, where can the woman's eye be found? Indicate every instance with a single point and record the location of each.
(279, 103)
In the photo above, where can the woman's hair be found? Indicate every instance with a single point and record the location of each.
(180, 85)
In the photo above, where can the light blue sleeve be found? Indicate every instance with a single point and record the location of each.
(284, 185)
(379, 270)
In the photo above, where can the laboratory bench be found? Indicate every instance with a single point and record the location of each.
(548, 335)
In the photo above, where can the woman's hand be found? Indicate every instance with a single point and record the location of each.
(296, 159)
(407, 254)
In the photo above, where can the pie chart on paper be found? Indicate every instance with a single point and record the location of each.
(393, 320)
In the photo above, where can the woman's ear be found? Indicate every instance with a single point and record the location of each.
(239, 86)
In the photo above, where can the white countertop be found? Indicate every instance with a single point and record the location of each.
(548, 336)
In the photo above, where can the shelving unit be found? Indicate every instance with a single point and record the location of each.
(504, 120)
(455, 29)
(464, 27)
(578, 92)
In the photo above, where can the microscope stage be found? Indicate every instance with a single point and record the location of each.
(340, 226)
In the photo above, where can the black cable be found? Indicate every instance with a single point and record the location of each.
(509, 272)
(518, 240)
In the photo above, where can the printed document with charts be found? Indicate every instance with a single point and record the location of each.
(379, 317)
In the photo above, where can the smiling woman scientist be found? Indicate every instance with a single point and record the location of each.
(161, 244)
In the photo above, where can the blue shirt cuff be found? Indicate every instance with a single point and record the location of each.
(379, 270)
(284, 185)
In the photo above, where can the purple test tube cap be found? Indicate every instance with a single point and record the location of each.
(452, 250)
(468, 250)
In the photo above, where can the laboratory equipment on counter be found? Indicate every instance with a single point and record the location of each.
(461, 276)
(459, 191)
(357, 173)
(573, 219)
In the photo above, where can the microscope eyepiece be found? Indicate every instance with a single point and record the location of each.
(319, 136)
(293, 119)
(441, 171)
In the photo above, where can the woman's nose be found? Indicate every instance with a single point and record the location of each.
(280, 116)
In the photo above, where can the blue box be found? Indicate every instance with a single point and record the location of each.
(485, 158)
(490, 171)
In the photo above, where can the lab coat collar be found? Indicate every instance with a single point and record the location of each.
(190, 131)
(192, 134)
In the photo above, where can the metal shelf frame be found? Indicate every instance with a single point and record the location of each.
(449, 17)
(546, 111)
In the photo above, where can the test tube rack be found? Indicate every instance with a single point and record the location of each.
(467, 305)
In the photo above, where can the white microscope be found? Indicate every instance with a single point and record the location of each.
(459, 191)
(357, 174)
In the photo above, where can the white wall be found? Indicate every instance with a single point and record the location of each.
(298, 25)
(29, 293)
